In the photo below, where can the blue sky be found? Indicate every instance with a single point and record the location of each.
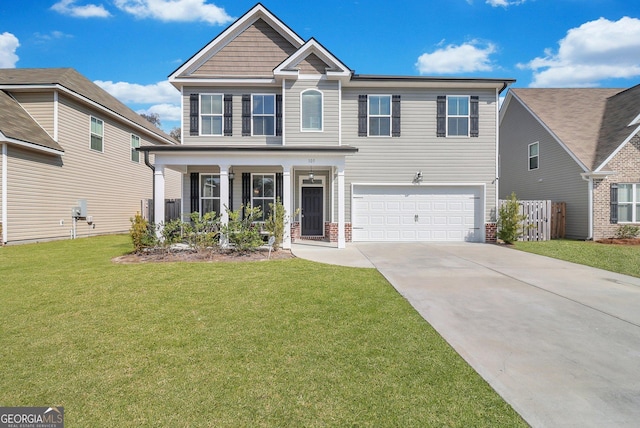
(129, 47)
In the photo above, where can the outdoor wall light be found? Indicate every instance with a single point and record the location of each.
(418, 177)
(311, 176)
(231, 174)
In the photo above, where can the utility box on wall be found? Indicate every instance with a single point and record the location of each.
(80, 211)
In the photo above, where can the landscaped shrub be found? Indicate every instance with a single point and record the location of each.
(627, 231)
(203, 231)
(275, 222)
(142, 235)
(241, 231)
(510, 220)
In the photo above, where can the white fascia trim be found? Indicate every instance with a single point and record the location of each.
(59, 88)
(230, 81)
(616, 151)
(423, 184)
(4, 193)
(599, 175)
(313, 47)
(29, 145)
(635, 121)
(235, 29)
(555, 137)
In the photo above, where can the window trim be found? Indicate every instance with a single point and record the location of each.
(264, 115)
(91, 134)
(302, 128)
(634, 203)
(201, 192)
(530, 157)
(389, 116)
(201, 114)
(134, 147)
(468, 116)
(262, 198)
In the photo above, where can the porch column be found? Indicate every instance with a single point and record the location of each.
(340, 190)
(224, 199)
(286, 203)
(158, 199)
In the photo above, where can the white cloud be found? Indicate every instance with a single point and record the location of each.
(175, 10)
(592, 52)
(69, 7)
(161, 92)
(54, 35)
(8, 45)
(504, 3)
(466, 58)
(166, 112)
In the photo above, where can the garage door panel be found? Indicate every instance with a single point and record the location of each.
(417, 213)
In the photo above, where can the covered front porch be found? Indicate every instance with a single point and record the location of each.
(309, 181)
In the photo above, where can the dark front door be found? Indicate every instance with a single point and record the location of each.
(312, 211)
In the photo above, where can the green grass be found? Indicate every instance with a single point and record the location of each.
(615, 258)
(277, 343)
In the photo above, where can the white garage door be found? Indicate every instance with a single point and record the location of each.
(417, 213)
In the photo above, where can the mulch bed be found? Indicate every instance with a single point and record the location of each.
(217, 255)
(620, 241)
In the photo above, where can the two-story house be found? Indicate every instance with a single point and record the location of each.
(69, 163)
(269, 115)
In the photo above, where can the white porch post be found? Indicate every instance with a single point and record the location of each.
(340, 190)
(286, 203)
(158, 199)
(224, 200)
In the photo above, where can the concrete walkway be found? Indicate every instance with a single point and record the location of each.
(559, 341)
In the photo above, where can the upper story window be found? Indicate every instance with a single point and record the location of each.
(263, 193)
(311, 110)
(97, 134)
(263, 114)
(211, 114)
(534, 155)
(457, 116)
(629, 203)
(379, 115)
(135, 143)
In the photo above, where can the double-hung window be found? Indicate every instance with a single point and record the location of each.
(458, 116)
(311, 110)
(135, 143)
(211, 114)
(534, 155)
(629, 203)
(263, 114)
(209, 193)
(380, 115)
(97, 134)
(263, 193)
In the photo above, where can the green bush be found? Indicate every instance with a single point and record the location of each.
(510, 220)
(203, 231)
(275, 223)
(627, 231)
(142, 234)
(241, 231)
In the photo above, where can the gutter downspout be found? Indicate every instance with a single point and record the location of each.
(153, 178)
(4, 193)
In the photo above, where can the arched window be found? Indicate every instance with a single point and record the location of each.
(311, 110)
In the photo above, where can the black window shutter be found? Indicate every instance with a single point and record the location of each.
(362, 116)
(278, 115)
(194, 101)
(195, 192)
(246, 191)
(441, 116)
(246, 115)
(395, 116)
(230, 194)
(475, 116)
(279, 184)
(614, 203)
(228, 115)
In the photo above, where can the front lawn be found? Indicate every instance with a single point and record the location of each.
(623, 259)
(273, 343)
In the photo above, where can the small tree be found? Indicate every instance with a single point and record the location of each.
(241, 231)
(510, 220)
(142, 234)
(275, 222)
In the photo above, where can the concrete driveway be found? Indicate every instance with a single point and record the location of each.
(559, 341)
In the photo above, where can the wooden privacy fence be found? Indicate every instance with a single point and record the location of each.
(544, 220)
(171, 209)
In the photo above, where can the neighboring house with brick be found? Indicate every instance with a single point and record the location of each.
(579, 146)
(66, 143)
(269, 115)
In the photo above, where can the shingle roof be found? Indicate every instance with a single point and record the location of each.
(591, 122)
(16, 123)
(80, 85)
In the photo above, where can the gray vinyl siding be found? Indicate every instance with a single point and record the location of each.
(441, 159)
(558, 176)
(329, 136)
(43, 188)
(236, 138)
(40, 106)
